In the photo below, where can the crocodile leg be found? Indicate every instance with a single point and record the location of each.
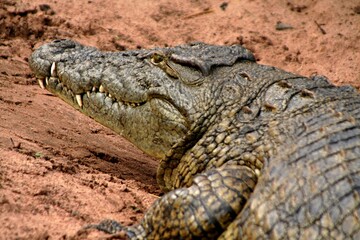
(203, 210)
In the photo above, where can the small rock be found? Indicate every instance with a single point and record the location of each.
(44, 7)
(282, 26)
(224, 5)
(357, 9)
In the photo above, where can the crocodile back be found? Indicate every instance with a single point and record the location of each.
(311, 188)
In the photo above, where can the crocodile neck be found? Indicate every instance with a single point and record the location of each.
(235, 135)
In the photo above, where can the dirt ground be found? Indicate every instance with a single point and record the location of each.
(60, 170)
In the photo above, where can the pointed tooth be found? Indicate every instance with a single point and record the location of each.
(79, 100)
(110, 96)
(88, 93)
(53, 69)
(47, 80)
(101, 89)
(93, 89)
(41, 83)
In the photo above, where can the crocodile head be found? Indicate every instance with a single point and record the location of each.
(154, 98)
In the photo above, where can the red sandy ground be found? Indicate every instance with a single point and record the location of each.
(60, 170)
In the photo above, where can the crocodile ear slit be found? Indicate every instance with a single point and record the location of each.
(204, 68)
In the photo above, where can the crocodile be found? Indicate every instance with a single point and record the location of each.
(246, 151)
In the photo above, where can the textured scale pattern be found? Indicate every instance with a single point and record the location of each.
(311, 190)
(246, 151)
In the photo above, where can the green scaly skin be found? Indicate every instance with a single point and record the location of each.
(246, 151)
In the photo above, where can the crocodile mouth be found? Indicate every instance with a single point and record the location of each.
(55, 84)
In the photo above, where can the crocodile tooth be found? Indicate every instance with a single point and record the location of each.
(53, 69)
(47, 80)
(79, 100)
(257, 172)
(41, 83)
(101, 89)
(109, 95)
(88, 93)
(93, 89)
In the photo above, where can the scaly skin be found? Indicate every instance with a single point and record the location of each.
(246, 151)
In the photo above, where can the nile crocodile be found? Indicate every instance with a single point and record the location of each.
(246, 151)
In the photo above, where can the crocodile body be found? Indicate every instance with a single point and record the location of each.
(246, 151)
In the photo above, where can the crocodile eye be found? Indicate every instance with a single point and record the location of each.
(160, 61)
(157, 58)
